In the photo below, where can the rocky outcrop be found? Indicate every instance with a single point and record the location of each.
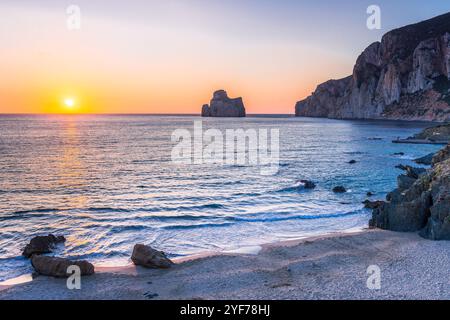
(405, 76)
(42, 244)
(372, 204)
(339, 189)
(59, 267)
(437, 133)
(148, 257)
(421, 204)
(223, 106)
(307, 184)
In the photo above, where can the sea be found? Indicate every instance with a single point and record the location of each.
(107, 182)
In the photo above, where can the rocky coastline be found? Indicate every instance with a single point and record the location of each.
(421, 203)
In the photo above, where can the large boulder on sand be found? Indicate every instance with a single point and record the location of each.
(148, 257)
(42, 244)
(58, 267)
(223, 106)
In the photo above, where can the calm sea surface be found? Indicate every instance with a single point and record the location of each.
(107, 182)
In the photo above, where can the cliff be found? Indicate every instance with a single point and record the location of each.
(405, 76)
(223, 106)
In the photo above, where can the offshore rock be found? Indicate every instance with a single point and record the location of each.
(223, 106)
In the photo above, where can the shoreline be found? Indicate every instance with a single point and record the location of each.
(330, 266)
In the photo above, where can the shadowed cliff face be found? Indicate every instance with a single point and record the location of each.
(421, 202)
(405, 76)
(223, 106)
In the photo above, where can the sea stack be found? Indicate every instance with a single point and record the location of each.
(223, 106)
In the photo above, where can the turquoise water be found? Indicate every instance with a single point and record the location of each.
(107, 182)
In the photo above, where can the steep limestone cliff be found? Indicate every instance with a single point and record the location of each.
(405, 76)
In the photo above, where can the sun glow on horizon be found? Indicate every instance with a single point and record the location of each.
(70, 105)
(69, 102)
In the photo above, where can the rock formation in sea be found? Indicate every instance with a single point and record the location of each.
(42, 244)
(223, 106)
(405, 76)
(421, 202)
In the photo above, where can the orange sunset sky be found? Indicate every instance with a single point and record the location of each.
(169, 56)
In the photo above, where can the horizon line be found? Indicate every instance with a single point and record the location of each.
(131, 114)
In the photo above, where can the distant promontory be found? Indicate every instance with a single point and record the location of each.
(406, 76)
(223, 106)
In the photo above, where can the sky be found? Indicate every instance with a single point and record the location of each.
(169, 56)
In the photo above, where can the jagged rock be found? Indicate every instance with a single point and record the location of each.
(206, 111)
(436, 133)
(441, 155)
(223, 106)
(148, 257)
(426, 160)
(339, 189)
(57, 267)
(372, 204)
(42, 244)
(404, 182)
(405, 76)
(424, 206)
(412, 172)
(308, 184)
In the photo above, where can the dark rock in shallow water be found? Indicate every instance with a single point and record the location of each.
(308, 184)
(223, 106)
(58, 267)
(148, 257)
(369, 194)
(339, 189)
(426, 160)
(424, 206)
(352, 162)
(42, 244)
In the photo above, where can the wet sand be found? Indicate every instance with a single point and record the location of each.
(330, 267)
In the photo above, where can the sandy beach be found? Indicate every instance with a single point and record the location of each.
(329, 267)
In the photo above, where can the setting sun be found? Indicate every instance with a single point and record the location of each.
(69, 102)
